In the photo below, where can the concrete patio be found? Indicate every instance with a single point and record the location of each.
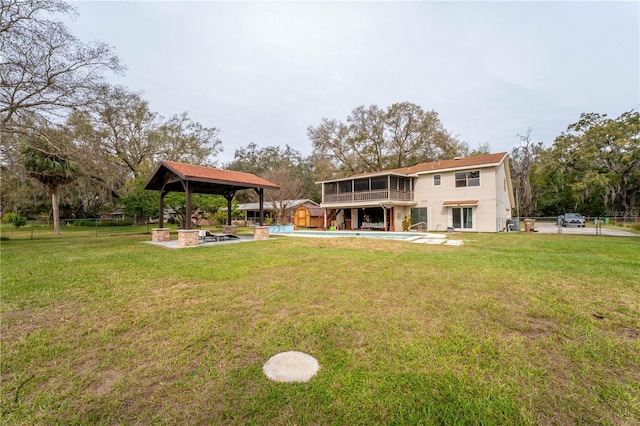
(173, 244)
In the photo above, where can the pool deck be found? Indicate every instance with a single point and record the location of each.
(412, 237)
(173, 244)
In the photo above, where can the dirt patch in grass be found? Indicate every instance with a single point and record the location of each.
(174, 288)
(628, 333)
(106, 380)
(21, 323)
(537, 327)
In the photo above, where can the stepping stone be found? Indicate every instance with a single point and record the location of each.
(291, 367)
(428, 241)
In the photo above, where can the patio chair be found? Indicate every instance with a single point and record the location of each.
(204, 236)
(223, 237)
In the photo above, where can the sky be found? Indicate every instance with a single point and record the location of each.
(264, 72)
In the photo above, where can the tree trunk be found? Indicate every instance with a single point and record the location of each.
(55, 206)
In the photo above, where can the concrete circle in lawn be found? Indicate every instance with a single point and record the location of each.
(291, 367)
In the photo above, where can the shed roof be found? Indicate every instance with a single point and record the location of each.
(316, 211)
(169, 176)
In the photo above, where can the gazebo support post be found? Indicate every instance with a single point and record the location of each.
(187, 213)
(229, 197)
(161, 210)
(261, 195)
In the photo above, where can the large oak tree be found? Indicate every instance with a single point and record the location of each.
(373, 139)
(592, 168)
(285, 167)
(46, 71)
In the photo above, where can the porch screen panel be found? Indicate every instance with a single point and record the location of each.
(361, 185)
(345, 187)
(394, 182)
(379, 183)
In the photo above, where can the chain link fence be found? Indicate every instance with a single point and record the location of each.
(32, 229)
(593, 225)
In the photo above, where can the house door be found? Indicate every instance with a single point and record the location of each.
(462, 217)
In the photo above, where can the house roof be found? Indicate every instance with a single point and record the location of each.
(459, 163)
(486, 160)
(169, 175)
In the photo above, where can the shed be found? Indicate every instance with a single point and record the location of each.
(309, 217)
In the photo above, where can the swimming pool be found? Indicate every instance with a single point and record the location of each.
(362, 234)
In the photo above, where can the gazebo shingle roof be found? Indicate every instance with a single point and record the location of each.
(207, 180)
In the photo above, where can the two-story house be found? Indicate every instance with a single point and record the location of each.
(465, 194)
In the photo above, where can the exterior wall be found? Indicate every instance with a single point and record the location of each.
(504, 195)
(433, 197)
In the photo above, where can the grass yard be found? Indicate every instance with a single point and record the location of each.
(506, 329)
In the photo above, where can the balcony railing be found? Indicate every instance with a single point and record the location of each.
(379, 195)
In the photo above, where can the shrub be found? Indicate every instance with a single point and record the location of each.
(16, 220)
(406, 222)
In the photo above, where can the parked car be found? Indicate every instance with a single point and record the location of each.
(572, 219)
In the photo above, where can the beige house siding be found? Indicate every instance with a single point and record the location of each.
(494, 201)
(434, 198)
(504, 192)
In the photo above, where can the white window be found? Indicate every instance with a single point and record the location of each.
(464, 179)
(437, 180)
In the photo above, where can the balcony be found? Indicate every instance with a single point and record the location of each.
(382, 195)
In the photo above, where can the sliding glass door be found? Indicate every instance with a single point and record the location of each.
(462, 217)
(419, 215)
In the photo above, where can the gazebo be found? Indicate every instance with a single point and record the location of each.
(170, 176)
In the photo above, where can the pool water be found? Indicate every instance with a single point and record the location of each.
(361, 234)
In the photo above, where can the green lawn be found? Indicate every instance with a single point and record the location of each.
(506, 329)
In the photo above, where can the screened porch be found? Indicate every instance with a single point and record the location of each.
(366, 189)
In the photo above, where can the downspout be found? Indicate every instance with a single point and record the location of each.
(384, 215)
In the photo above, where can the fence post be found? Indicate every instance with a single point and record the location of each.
(96, 227)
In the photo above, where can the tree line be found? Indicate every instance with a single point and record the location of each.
(71, 139)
